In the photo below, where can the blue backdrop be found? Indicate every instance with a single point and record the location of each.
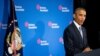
(41, 22)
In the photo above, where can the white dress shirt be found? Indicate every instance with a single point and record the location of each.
(79, 28)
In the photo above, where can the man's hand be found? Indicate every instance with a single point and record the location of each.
(87, 49)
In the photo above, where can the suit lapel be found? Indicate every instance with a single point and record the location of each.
(79, 37)
(77, 31)
(84, 36)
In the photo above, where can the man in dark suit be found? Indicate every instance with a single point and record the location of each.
(75, 38)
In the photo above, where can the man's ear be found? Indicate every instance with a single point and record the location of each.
(73, 15)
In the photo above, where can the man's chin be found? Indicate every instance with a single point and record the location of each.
(81, 24)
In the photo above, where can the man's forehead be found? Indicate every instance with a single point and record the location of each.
(80, 12)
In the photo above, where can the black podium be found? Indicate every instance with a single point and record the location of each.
(95, 52)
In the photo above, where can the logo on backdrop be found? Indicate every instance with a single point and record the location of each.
(41, 8)
(42, 42)
(0, 24)
(63, 8)
(53, 25)
(3, 26)
(19, 8)
(30, 25)
(70, 22)
(61, 40)
(50, 55)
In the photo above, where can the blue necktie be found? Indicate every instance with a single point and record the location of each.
(80, 30)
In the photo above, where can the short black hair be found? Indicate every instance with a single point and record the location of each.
(79, 8)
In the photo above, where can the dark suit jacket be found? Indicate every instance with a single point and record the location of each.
(73, 41)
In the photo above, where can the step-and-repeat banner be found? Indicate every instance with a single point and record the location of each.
(41, 24)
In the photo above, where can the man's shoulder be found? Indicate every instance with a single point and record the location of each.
(69, 27)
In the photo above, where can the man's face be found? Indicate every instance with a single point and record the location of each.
(80, 16)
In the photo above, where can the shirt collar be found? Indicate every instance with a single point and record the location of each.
(76, 24)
